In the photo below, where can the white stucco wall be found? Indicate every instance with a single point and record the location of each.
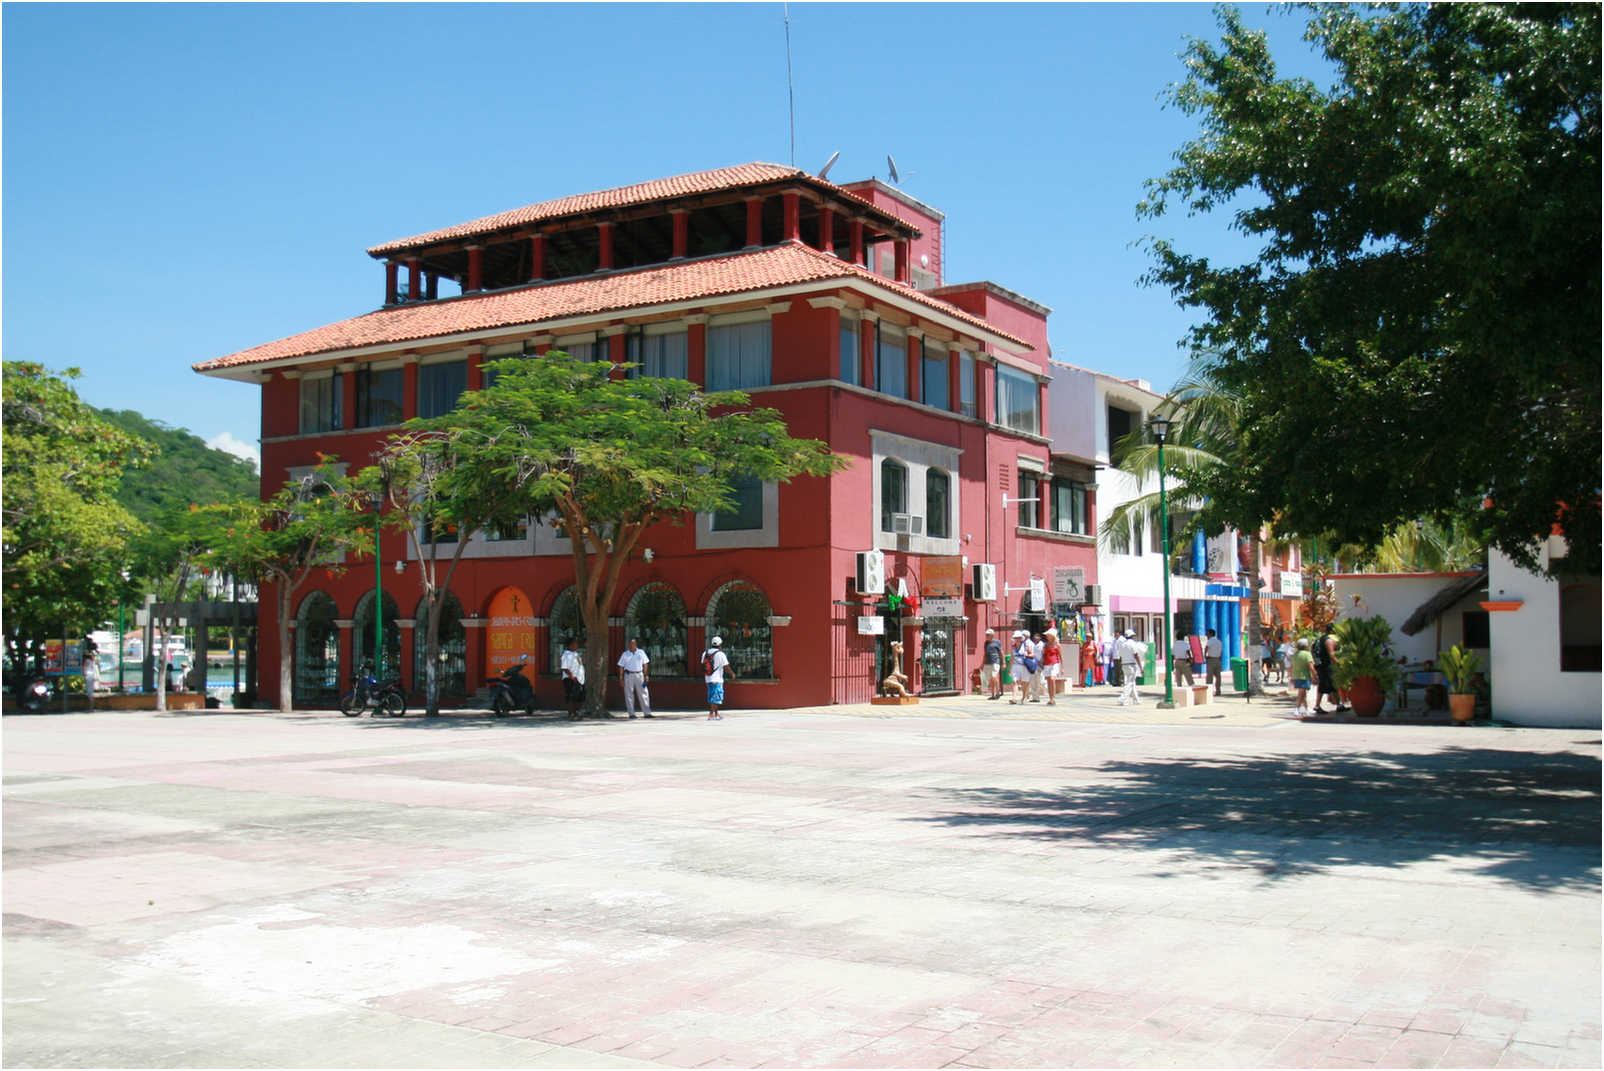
(1395, 596)
(1528, 686)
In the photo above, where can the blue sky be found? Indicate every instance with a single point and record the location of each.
(184, 181)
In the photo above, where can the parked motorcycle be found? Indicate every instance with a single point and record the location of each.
(383, 698)
(34, 695)
(512, 689)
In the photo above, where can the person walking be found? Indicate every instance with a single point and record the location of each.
(1325, 664)
(1302, 673)
(91, 667)
(991, 666)
(1132, 653)
(632, 675)
(1052, 664)
(715, 663)
(573, 671)
(1181, 661)
(1037, 679)
(1213, 652)
(1024, 667)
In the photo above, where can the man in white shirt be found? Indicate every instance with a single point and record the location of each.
(632, 675)
(573, 669)
(1135, 654)
(715, 663)
(1181, 662)
(1213, 651)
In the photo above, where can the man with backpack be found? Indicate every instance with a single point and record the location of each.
(715, 663)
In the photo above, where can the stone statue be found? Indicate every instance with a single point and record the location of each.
(896, 682)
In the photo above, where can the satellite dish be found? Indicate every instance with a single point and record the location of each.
(825, 170)
(892, 164)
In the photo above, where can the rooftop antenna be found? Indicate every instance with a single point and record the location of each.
(825, 170)
(790, 89)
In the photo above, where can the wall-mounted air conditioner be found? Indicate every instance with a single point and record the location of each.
(907, 524)
(984, 584)
(871, 574)
(1092, 595)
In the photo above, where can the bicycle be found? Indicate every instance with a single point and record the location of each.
(369, 695)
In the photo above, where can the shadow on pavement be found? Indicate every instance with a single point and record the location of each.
(1521, 814)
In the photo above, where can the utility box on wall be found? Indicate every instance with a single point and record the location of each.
(984, 582)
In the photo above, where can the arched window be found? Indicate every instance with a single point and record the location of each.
(893, 491)
(740, 613)
(655, 620)
(938, 504)
(317, 651)
(453, 667)
(362, 636)
(564, 624)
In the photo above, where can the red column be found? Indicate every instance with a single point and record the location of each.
(1044, 492)
(985, 390)
(793, 216)
(754, 222)
(902, 260)
(696, 350)
(867, 337)
(916, 367)
(616, 354)
(391, 269)
(474, 652)
(475, 267)
(604, 236)
(855, 232)
(827, 229)
(434, 286)
(348, 649)
(476, 374)
(409, 389)
(414, 280)
(408, 646)
(954, 403)
(537, 258)
(348, 395)
(682, 232)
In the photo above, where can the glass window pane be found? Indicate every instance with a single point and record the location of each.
(746, 510)
(738, 356)
(893, 491)
(938, 487)
(320, 403)
(378, 397)
(440, 386)
(1018, 400)
(850, 354)
(655, 620)
(966, 384)
(659, 356)
(1029, 499)
(891, 363)
(740, 613)
(933, 387)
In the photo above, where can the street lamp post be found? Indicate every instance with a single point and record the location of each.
(1160, 426)
(378, 594)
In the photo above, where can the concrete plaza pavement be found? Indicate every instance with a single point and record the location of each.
(960, 884)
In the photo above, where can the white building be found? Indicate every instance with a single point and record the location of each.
(1545, 644)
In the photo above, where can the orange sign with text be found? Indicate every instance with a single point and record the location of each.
(943, 577)
(511, 632)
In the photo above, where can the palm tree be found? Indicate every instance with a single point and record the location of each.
(1206, 414)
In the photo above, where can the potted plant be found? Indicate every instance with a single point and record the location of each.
(1460, 667)
(1364, 667)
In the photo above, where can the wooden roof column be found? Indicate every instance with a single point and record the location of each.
(537, 257)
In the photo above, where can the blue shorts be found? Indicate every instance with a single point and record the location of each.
(1302, 685)
(715, 693)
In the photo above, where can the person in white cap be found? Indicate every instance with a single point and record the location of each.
(1025, 666)
(1052, 664)
(715, 663)
(1133, 653)
(991, 666)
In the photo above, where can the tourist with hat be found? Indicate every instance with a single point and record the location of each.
(715, 663)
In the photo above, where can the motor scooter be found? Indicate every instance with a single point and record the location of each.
(512, 689)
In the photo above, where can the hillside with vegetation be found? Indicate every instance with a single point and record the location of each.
(184, 472)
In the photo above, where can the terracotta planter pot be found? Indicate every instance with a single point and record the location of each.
(1365, 695)
(1462, 707)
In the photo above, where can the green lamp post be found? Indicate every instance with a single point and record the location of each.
(1160, 427)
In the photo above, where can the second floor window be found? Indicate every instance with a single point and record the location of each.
(659, 356)
(966, 385)
(1029, 499)
(320, 404)
(851, 356)
(439, 387)
(746, 507)
(739, 355)
(1018, 400)
(893, 491)
(378, 397)
(891, 362)
(933, 385)
(938, 504)
(1069, 508)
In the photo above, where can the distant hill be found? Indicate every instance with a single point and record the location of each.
(185, 471)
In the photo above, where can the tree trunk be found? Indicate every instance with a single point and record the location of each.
(1255, 619)
(596, 650)
(431, 656)
(286, 657)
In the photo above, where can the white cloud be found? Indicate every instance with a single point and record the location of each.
(227, 442)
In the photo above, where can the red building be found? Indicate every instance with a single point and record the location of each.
(825, 302)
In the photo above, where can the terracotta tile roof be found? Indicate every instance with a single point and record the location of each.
(734, 273)
(697, 182)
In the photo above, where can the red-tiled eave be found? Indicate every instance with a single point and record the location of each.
(790, 264)
(641, 193)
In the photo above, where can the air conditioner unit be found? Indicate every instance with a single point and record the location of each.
(985, 582)
(1092, 595)
(907, 524)
(871, 578)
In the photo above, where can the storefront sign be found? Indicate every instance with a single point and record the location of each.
(1038, 594)
(1069, 581)
(511, 633)
(871, 626)
(942, 607)
(1291, 585)
(943, 577)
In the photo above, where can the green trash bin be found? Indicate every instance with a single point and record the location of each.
(1239, 674)
(1147, 668)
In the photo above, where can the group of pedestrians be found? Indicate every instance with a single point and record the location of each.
(633, 667)
(1035, 663)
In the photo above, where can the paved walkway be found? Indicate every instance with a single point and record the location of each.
(961, 884)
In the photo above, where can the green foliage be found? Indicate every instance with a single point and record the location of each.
(1419, 329)
(1362, 651)
(66, 538)
(182, 471)
(603, 459)
(1460, 667)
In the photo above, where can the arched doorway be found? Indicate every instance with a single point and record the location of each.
(563, 624)
(362, 636)
(740, 612)
(655, 619)
(453, 667)
(510, 634)
(317, 651)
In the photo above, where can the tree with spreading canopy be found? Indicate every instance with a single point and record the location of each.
(310, 524)
(1419, 333)
(603, 458)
